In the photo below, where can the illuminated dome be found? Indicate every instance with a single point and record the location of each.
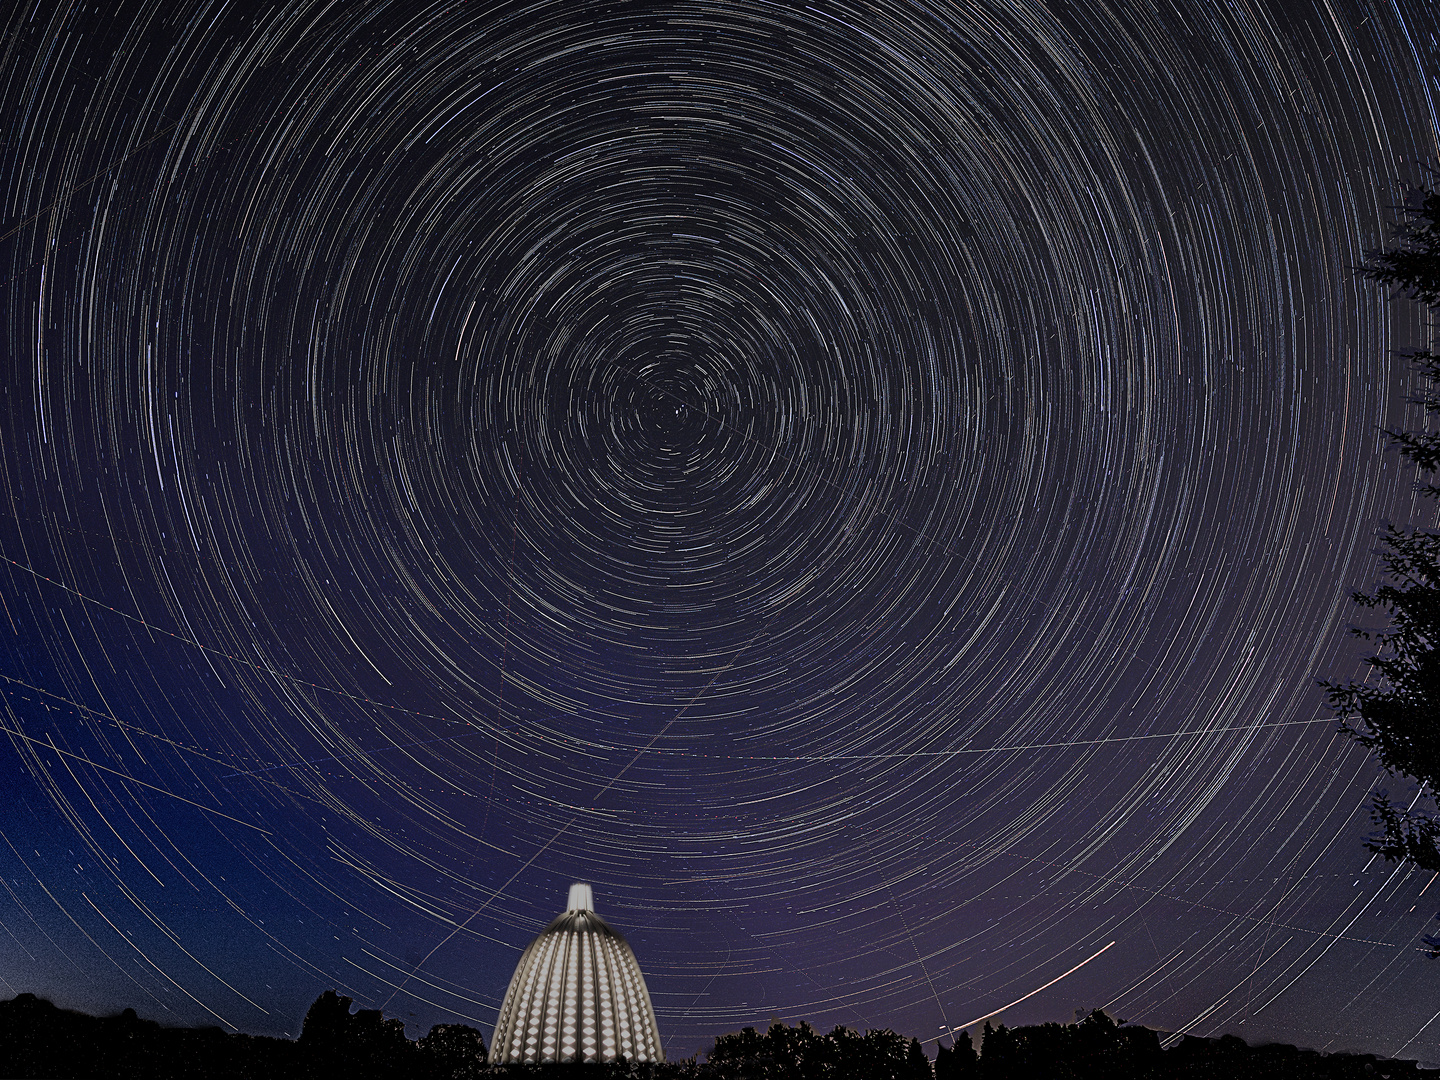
(577, 995)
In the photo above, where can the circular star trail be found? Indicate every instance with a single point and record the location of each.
(868, 487)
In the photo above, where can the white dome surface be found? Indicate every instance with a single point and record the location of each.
(577, 995)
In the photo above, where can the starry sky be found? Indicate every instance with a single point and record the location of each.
(871, 487)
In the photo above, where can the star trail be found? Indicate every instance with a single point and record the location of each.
(870, 487)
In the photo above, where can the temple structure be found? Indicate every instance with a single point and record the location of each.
(577, 995)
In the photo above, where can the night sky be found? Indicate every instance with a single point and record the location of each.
(871, 488)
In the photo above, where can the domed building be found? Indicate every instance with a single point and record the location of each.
(577, 995)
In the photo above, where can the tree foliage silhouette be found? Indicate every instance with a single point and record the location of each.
(802, 1053)
(452, 1052)
(364, 1043)
(39, 1041)
(1397, 716)
(958, 1061)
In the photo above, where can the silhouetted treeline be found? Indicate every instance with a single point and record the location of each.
(786, 1053)
(1099, 1049)
(38, 1040)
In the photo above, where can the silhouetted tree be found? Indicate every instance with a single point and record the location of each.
(1101, 1049)
(37, 1040)
(344, 1044)
(327, 1023)
(1094, 1049)
(794, 1053)
(917, 1065)
(801, 1053)
(452, 1052)
(998, 1051)
(956, 1062)
(879, 1054)
(1397, 718)
(1041, 1050)
(744, 1053)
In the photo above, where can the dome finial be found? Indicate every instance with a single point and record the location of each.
(582, 898)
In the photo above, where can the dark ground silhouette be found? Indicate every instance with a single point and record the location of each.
(39, 1040)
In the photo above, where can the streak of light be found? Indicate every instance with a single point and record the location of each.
(131, 779)
(1038, 989)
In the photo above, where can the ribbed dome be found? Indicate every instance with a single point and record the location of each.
(577, 995)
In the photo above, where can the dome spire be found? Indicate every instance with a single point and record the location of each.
(582, 898)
